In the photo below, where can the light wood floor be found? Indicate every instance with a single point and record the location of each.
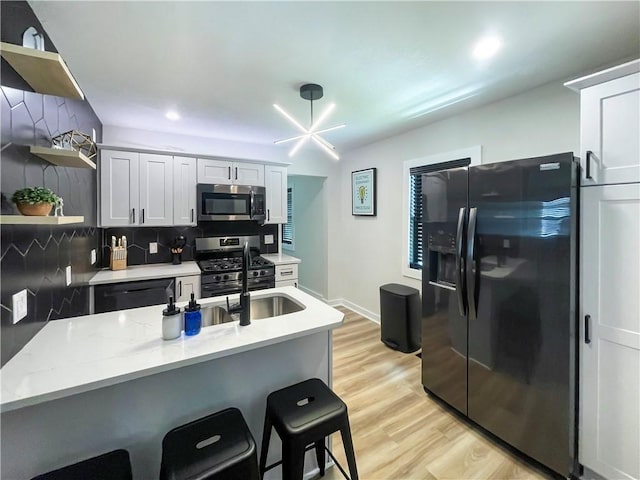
(398, 431)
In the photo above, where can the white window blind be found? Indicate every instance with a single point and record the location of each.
(415, 225)
(287, 228)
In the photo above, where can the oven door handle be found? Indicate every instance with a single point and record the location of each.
(252, 210)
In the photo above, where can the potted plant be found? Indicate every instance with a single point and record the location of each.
(34, 200)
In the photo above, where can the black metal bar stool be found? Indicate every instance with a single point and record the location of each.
(303, 415)
(114, 465)
(218, 446)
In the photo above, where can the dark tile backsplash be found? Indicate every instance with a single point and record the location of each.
(138, 239)
(34, 257)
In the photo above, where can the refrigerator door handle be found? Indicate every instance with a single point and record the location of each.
(460, 283)
(471, 264)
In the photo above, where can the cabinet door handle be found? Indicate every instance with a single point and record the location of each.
(268, 215)
(180, 289)
(229, 173)
(142, 216)
(588, 162)
(295, 284)
(287, 273)
(133, 213)
(587, 329)
(192, 215)
(236, 173)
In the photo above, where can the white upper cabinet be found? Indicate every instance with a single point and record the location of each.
(248, 174)
(276, 192)
(214, 171)
(136, 189)
(119, 188)
(156, 190)
(226, 172)
(184, 191)
(610, 125)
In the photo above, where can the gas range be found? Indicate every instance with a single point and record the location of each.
(220, 260)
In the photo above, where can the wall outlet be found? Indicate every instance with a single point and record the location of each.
(153, 247)
(94, 256)
(67, 272)
(268, 239)
(19, 306)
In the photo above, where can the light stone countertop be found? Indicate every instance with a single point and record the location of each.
(145, 272)
(80, 354)
(280, 258)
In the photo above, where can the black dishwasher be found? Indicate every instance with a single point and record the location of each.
(121, 296)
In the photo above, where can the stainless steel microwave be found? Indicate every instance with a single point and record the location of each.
(230, 202)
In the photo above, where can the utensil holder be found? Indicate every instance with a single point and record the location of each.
(118, 258)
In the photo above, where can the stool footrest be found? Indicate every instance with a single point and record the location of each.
(310, 447)
(274, 465)
(337, 464)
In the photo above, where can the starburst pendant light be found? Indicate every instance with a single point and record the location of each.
(311, 92)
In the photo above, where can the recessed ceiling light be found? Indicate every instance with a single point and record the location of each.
(171, 115)
(487, 47)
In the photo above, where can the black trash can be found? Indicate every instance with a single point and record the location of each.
(400, 317)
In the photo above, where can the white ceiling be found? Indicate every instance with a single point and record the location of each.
(388, 66)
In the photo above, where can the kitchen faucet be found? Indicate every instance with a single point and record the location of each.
(244, 307)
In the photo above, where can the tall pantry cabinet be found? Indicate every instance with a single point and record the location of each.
(609, 403)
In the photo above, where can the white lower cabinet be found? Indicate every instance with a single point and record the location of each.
(185, 286)
(287, 275)
(609, 432)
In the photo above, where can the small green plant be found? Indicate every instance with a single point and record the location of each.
(33, 195)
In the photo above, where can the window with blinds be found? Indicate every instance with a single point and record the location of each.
(415, 225)
(287, 228)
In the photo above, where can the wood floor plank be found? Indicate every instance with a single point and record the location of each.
(399, 433)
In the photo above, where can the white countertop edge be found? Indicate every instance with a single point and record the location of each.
(145, 272)
(280, 258)
(109, 381)
(331, 319)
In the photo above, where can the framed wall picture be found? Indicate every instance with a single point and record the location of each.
(363, 192)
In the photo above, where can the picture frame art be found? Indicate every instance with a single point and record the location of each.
(363, 192)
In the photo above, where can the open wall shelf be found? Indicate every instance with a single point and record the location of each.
(64, 158)
(37, 220)
(45, 72)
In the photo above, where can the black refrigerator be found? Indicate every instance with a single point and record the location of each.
(498, 299)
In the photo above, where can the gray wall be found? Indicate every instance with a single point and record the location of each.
(34, 257)
(538, 122)
(311, 233)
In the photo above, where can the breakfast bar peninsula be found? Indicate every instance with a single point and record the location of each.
(87, 385)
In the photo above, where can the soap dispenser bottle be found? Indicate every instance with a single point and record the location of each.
(192, 317)
(171, 321)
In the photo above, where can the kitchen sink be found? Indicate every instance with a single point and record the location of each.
(215, 316)
(273, 306)
(263, 307)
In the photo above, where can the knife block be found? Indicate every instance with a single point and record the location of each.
(118, 258)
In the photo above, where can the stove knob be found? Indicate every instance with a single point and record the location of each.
(255, 274)
(217, 278)
(225, 277)
(262, 272)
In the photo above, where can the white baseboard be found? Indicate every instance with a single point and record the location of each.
(374, 317)
(313, 293)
